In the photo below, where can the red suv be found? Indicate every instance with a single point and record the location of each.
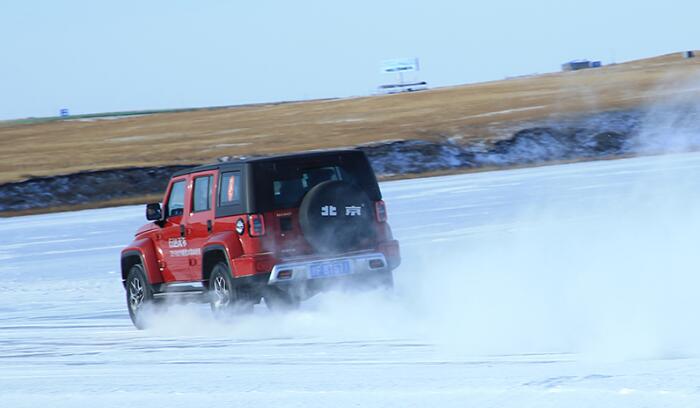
(277, 228)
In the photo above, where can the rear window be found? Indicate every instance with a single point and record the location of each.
(290, 189)
(283, 184)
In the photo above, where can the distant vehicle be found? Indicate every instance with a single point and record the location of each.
(580, 64)
(398, 88)
(279, 228)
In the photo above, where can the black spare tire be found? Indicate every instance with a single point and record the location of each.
(336, 216)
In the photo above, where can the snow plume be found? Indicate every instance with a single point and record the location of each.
(615, 277)
(672, 123)
(337, 316)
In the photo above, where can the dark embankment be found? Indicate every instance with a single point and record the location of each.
(596, 136)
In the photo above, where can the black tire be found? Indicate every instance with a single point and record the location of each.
(139, 296)
(278, 300)
(337, 216)
(224, 296)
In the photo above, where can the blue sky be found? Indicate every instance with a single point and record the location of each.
(99, 56)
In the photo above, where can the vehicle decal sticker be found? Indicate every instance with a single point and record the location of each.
(329, 211)
(353, 211)
(177, 242)
(185, 252)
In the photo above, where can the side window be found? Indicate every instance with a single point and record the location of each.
(201, 200)
(176, 200)
(229, 192)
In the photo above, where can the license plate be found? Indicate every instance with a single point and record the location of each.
(330, 269)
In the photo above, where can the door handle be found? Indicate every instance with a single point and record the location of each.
(182, 230)
(209, 226)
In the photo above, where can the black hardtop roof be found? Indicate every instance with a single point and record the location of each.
(267, 159)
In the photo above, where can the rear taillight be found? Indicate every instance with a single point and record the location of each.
(256, 224)
(380, 211)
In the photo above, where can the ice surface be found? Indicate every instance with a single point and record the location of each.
(561, 286)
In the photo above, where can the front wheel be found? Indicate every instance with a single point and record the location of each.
(139, 295)
(224, 296)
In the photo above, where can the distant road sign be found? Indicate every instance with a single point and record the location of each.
(64, 113)
(394, 66)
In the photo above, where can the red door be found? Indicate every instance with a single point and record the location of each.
(172, 240)
(200, 219)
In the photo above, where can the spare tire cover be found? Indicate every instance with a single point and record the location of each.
(336, 216)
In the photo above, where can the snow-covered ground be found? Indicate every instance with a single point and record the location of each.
(561, 286)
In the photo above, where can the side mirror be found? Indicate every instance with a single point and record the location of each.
(154, 212)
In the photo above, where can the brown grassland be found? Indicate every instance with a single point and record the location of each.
(482, 111)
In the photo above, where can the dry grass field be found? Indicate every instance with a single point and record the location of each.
(483, 111)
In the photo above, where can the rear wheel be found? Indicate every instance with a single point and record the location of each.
(224, 296)
(139, 295)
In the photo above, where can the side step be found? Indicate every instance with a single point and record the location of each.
(183, 291)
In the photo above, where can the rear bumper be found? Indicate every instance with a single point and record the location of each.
(303, 271)
(391, 251)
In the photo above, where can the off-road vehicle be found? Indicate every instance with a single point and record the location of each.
(277, 228)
